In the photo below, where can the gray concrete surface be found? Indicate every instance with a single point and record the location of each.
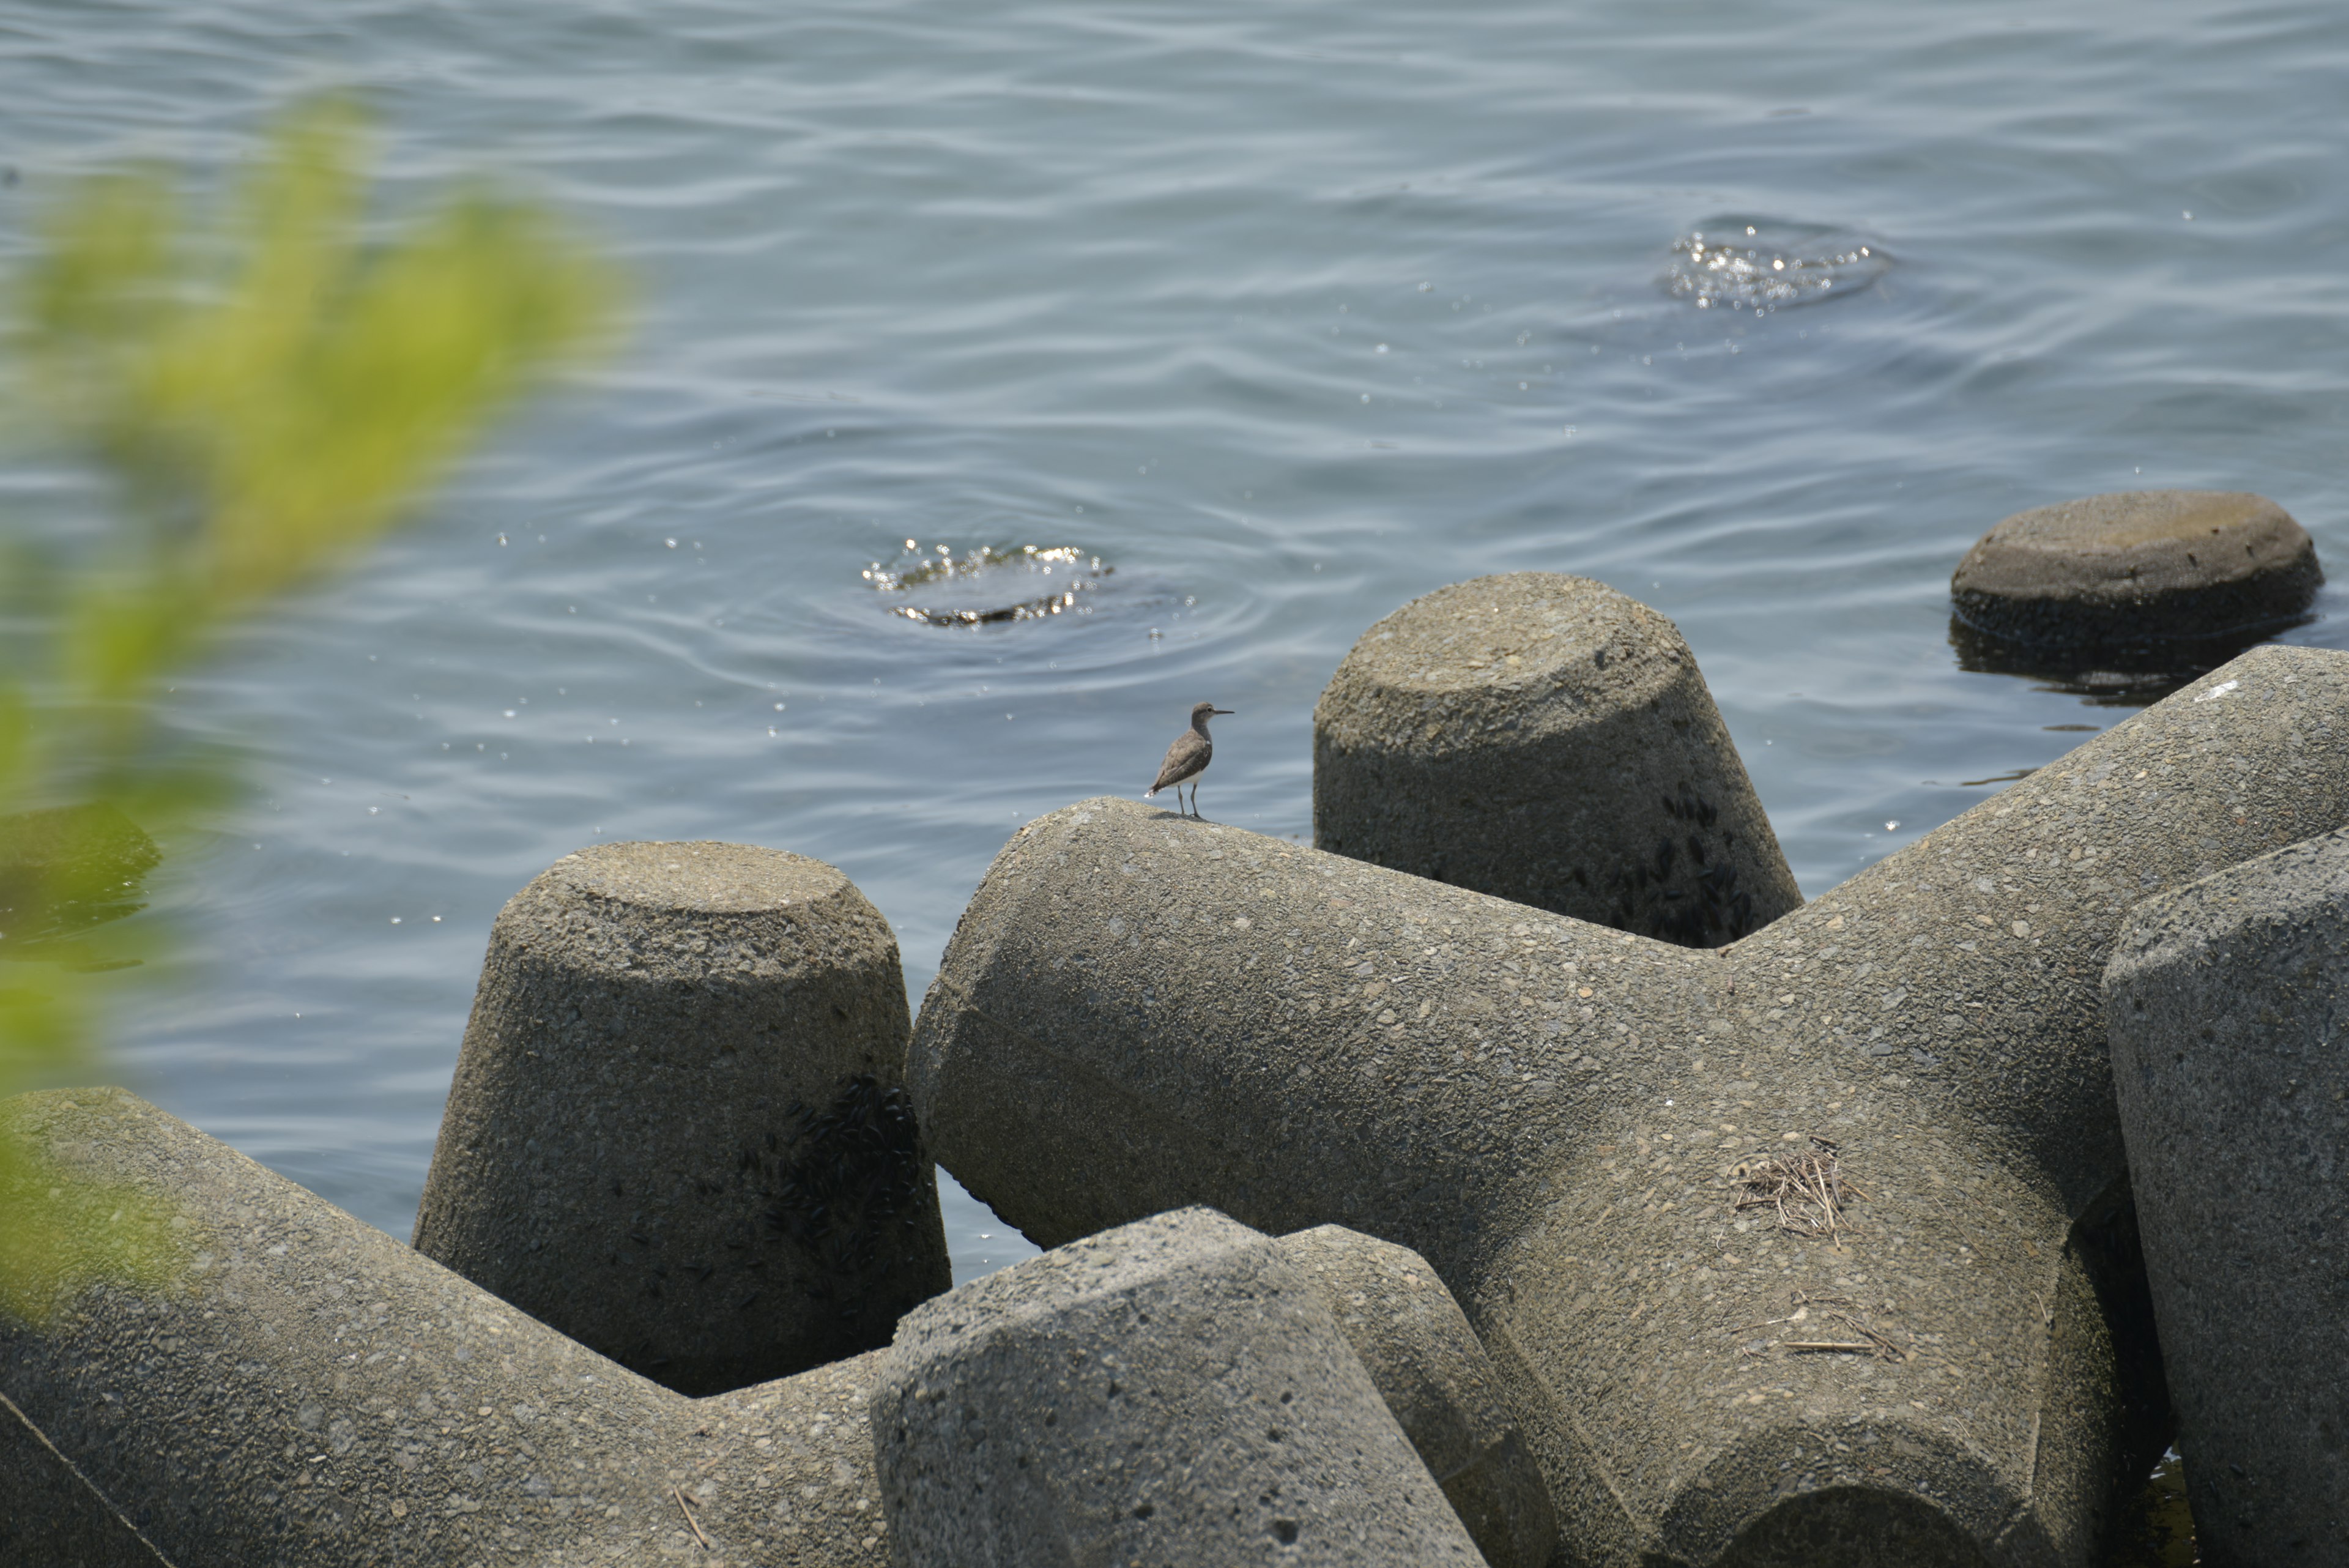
(1547, 740)
(677, 1131)
(1435, 1379)
(2225, 1001)
(2118, 570)
(1172, 1391)
(1137, 1013)
(316, 1394)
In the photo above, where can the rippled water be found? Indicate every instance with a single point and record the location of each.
(1764, 265)
(1285, 315)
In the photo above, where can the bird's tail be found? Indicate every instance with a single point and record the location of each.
(1150, 794)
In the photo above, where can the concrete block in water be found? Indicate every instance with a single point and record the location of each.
(1137, 1013)
(1172, 1391)
(316, 1394)
(677, 1131)
(2225, 1003)
(1544, 739)
(1438, 1384)
(2114, 574)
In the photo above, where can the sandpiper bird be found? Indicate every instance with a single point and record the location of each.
(1187, 758)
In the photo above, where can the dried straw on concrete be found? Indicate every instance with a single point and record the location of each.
(1805, 1192)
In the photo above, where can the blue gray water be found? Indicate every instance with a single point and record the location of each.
(1287, 314)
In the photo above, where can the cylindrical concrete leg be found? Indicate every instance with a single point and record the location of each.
(1172, 1391)
(1430, 1367)
(1544, 739)
(678, 1131)
(308, 1392)
(2224, 1003)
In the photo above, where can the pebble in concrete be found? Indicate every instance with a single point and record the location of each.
(1437, 1382)
(2224, 1001)
(678, 1131)
(2109, 574)
(318, 1396)
(1171, 1391)
(1137, 1013)
(1547, 740)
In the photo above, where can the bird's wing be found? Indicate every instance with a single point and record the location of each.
(1186, 756)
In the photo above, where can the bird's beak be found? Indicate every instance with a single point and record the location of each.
(1219, 709)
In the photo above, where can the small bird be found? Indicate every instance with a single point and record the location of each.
(1187, 758)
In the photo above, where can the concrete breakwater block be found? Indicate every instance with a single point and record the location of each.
(1437, 1382)
(2225, 1001)
(678, 1131)
(1137, 1013)
(1544, 739)
(316, 1394)
(1172, 1391)
(2112, 574)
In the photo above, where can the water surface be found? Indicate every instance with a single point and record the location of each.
(1286, 314)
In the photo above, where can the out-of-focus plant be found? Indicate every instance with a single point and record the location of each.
(265, 393)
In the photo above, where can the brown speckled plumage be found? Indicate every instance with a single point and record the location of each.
(1187, 758)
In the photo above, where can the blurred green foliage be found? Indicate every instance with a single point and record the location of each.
(266, 393)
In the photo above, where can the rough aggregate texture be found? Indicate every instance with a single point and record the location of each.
(2117, 571)
(1138, 1012)
(372, 1367)
(1170, 1391)
(2226, 1002)
(1547, 740)
(677, 1131)
(318, 1396)
(1436, 1380)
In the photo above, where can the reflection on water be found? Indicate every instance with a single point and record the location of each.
(989, 585)
(2156, 1530)
(2134, 677)
(1752, 264)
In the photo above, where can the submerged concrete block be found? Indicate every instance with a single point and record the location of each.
(2112, 574)
(1172, 1391)
(1437, 1382)
(678, 1131)
(2225, 1001)
(316, 1394)
(1544, 739)
(1138, 1012)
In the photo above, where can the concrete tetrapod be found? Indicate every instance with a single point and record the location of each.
(1435, 1379)
(677, 1131)
(1171, 1391)
(1138, 1012)
(320, 1395)
(2225, 1001)
(1544, 738)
